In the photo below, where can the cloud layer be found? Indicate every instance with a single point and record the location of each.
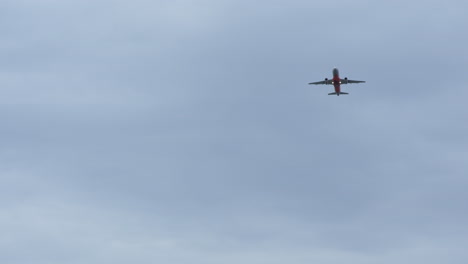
(176, 132)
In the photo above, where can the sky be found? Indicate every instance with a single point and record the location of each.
(185, 132)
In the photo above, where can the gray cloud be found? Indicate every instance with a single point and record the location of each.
(186, 132)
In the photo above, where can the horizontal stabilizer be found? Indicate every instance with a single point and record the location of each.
(337, 93)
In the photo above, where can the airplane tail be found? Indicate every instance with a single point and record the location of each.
(337, 93)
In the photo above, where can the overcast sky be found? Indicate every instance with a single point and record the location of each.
(176, 131)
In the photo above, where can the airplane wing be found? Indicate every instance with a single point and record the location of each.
(323, 82)
(345, 81)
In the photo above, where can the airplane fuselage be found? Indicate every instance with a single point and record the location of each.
(336, 81)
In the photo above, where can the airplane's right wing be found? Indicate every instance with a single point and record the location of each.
(323, 82)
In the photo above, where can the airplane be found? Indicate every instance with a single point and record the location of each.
(336, 81)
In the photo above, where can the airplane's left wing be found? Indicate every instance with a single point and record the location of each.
(345, 81)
